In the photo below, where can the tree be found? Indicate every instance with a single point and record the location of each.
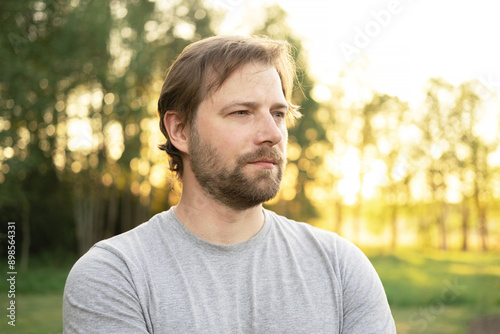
(435, 151)
(28, 91)
(387, 116)
(471, 150)
(350, 138)
(78, 103)
(124, 164)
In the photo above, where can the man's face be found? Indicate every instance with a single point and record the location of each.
(237, 148)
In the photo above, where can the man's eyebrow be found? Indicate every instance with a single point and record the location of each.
(280, 106)
(250, 104)
(233, 104)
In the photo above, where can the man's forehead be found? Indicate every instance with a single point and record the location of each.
(215, 78)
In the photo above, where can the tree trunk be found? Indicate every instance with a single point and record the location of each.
(86, 212)
(112, 212)
(83, 221)
(25, 249)
(481, 212)
(97, 207)
(357, 221)
(465, 223)
(442, 225)
(82, 229)
(142, 211)
(394, 227)
(483, 229)
(338, 217)
(126, 209)
(423, 228)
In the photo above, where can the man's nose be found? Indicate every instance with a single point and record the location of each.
(268, 130)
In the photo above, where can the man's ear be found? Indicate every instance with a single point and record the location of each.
(177, 131)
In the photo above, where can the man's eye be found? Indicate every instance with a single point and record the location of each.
(280, 114)
(241, 112)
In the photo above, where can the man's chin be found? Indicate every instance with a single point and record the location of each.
(261, 173)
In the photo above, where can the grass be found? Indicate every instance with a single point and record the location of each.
(429, 292)
(439, 292)
(38, 296)
(36, 314)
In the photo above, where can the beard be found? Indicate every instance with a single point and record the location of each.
(231, 186)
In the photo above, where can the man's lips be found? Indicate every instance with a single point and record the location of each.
(264, 157)
(264, 163)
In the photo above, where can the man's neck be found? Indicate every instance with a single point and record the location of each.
(216, 223)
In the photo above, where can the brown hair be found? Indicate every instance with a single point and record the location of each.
(202, 68)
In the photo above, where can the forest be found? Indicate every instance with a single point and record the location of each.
(416, 186)
(79, 135)
(79, 158)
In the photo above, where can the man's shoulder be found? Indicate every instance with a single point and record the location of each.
(133, 241)
(124, 252)
(143, 231)
(293, 226)
(305, 233)
(327, 240)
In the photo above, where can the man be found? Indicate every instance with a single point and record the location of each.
(218, 262)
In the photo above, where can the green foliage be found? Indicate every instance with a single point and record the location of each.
(75, 69)
(36, 314)
(438, 292)
(58, 51)
(415, 279)
(63, 54)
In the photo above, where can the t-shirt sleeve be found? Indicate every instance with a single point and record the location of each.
(365, 306)
(100, 297)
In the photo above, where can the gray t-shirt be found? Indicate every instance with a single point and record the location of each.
(161, 278)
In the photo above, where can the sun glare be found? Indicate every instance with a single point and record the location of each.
(350, 184)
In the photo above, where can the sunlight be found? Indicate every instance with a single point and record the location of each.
(184, 30)
(487, 125)
(355, 89)
(453, 188)
(374, 178)
(409, 134)
(494, 158)
(496, 188)
(120, 53)
(416, 188)
(79, 132)
(143, 167)
(113, 138)
(315, 192)
(289, 183)
(321, 93)
(293, 151)
(350, 184)
(8, 152)
(158, 176)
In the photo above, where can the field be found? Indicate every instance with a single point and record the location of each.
(429, 292)
(38, 296)
(439, 292)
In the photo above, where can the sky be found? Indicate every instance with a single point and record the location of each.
(405, 42)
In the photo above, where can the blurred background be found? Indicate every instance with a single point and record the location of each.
(398, 150)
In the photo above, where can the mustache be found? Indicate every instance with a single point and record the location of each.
(263, 153)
